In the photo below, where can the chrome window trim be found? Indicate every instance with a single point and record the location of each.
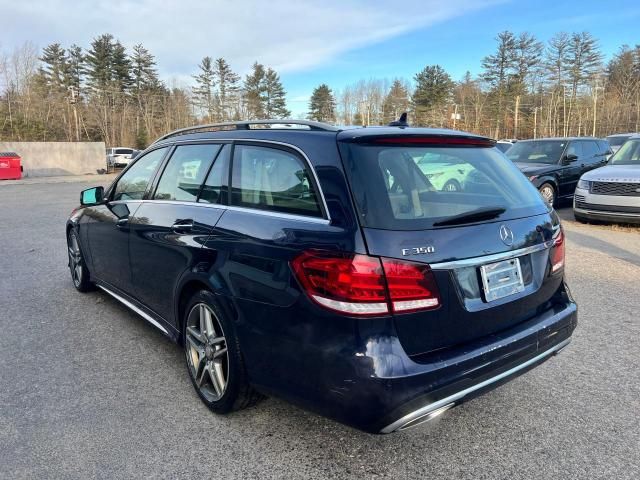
(140, 312)
(398, 424)
(218, 206)
(242, 141)
(476, 261)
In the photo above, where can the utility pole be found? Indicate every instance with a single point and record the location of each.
(595, 105)
(564, 111)
(72, 90)
(455, 114)
(515, 118)
(535, 122)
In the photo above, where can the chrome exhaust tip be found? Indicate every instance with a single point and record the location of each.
(427, 417)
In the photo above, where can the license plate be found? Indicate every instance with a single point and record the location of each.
(501, 279)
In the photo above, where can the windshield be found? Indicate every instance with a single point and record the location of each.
(629, 154)
(413, 188)
(537, 151)
(617, 140)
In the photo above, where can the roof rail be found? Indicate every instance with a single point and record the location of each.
(285, 123)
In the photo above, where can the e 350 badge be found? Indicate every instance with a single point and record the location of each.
(418, 250)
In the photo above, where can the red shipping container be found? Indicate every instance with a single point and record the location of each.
(10, 167)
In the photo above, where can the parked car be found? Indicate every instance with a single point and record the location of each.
(554, 165)
(504, 145)
(612, 193)
(119, 157)
(616, 140)
(444, 172)
(320, 265)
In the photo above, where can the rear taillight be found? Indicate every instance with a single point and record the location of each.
(363, 285)
(557, 252)
(411, 286)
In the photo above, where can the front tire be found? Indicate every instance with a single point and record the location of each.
(452, 186)
(548, 193)
(77, 265)
(213, 358)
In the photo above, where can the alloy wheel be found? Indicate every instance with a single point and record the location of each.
(548, 194)
(206, 350)
(75, 259)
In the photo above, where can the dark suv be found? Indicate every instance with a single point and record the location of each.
(554, 165)
(322, 266)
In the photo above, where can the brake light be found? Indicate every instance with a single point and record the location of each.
(557, 252)
(362, 285)
(443, 140)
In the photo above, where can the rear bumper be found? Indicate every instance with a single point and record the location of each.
(373, 385)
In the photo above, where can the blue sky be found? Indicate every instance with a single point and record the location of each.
(459, 44)
(309, 42)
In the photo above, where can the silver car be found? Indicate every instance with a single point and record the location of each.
(612, 193)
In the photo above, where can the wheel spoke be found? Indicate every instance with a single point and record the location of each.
(203, 321)
(220, 352)
(208, 321)
(201, 371)
(194, 334)
(218, 373)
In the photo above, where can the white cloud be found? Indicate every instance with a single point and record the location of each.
(287, 35)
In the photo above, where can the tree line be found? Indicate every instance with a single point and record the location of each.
(109, 94)
(525, 89)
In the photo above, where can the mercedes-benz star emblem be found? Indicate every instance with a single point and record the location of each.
(506, 235)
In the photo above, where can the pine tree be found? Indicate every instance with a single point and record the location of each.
(121, 66)
(499, 69)
(255, 93)
(228, 89)
(275, 105)
(396, 102)
(99, 61)
(433, 90)
(54, 71)
(144, 76)
(322, 106)
(75, 67)
(203, 92)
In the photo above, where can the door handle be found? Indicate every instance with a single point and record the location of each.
(122, 222)
(182, 226)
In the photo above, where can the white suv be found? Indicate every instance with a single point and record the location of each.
(119, 156)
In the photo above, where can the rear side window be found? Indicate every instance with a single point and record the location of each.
(590, 149)
(272, 179)
(185, 172)
(214, 189)
(411, 188)
(134, 181)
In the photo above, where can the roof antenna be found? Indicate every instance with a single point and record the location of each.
(401, 122)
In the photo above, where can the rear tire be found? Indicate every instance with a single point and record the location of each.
(213, 358)
(548, 193)
(77, 266)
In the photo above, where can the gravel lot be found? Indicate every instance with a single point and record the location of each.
(89, 389)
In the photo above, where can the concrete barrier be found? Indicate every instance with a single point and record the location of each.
(45, 159)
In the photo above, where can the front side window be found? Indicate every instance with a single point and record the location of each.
(272, 179)
(185, 172)
(536, 151)
(133, 183)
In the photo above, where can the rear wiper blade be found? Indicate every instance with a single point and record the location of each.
(472, 216)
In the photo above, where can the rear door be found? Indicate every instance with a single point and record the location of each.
(405, 217)
(170, 227)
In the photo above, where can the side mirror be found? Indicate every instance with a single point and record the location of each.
(570, 158)
(92, 196)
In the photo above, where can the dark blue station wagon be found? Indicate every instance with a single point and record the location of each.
(330, 266)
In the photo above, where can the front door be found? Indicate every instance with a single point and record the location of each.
(108, 227)
(570, 173)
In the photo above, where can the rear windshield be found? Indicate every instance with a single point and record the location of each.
(537, 151)
(123, 151)
(411, 188)
(617, 140)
